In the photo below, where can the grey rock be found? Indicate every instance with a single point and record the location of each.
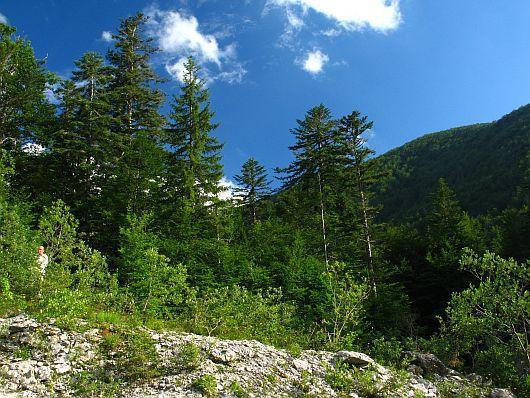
(353, 358)
(262, 371)
(502, 393)
(429, 363)
(21, 323)
(223, 355)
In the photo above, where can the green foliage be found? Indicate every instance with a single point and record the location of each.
(23, 80)
(206, 385)
(235, 313)
(87, 384)
(481, 162)
(195, 169)
(189, 357)
(158, 287)
(134, 354)
(253, 186)
(489, 320)
(390, 352)
(366, 381)
(237, 390)
(346, 310)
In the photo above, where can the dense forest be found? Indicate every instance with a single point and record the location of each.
(483, 163)
(352, 251)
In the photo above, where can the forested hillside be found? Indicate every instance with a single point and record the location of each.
(123, 202)
(483, 163)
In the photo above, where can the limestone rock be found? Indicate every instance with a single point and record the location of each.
(501, 393)
(61, 361)
(429, 363)
(354, 358)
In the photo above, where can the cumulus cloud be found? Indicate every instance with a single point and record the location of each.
(106, 36)
(227, 189)
(180, 36)
(380, 15)
(3, 19)
(314, 62)
(176, 69)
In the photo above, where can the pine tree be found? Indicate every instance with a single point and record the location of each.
(315, 163)
(253, 186)
(362, 172)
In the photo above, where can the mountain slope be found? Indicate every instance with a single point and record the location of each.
(483, 163)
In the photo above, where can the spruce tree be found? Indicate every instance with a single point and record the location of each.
(194, 163)
(315, 162)
(194, 215)
(135, 99)
(24, 111)
(137, 126)
(360, 173)
(253, 186)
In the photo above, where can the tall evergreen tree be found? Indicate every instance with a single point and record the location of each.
(195, 169)
(193, 176)
(24, 110)
(360, 174)
(137, 154)
(82, 140)
(253, 186)
(135, 99)
(315, 162)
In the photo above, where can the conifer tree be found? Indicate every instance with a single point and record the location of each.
(362, 172)
(316, 161)
(92, 78)
(81, 143)
(135, 100)
(64, 160)
(253, 186)
(193, 175)
(137, 126)
(195, 169)
(24, 110)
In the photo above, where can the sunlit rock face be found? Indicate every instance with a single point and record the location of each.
(42, 360)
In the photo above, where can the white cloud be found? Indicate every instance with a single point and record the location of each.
(180, 36)
(106, 36)
(176, 70)
(314, 61)
(227, 189)
(331, 32)
(3, 19)
(380, 15)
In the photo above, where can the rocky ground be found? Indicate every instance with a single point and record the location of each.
(43, 360)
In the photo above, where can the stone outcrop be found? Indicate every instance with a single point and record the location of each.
(42, 360)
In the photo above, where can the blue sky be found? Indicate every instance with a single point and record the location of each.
(413, 66)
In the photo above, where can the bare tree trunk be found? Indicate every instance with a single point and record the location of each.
(366, 231)
(323, 219)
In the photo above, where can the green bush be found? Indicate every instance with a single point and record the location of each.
(235, 313)
(133, 353)
(189, 357)
(489, 321)
(158, 287)
(206, 385)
